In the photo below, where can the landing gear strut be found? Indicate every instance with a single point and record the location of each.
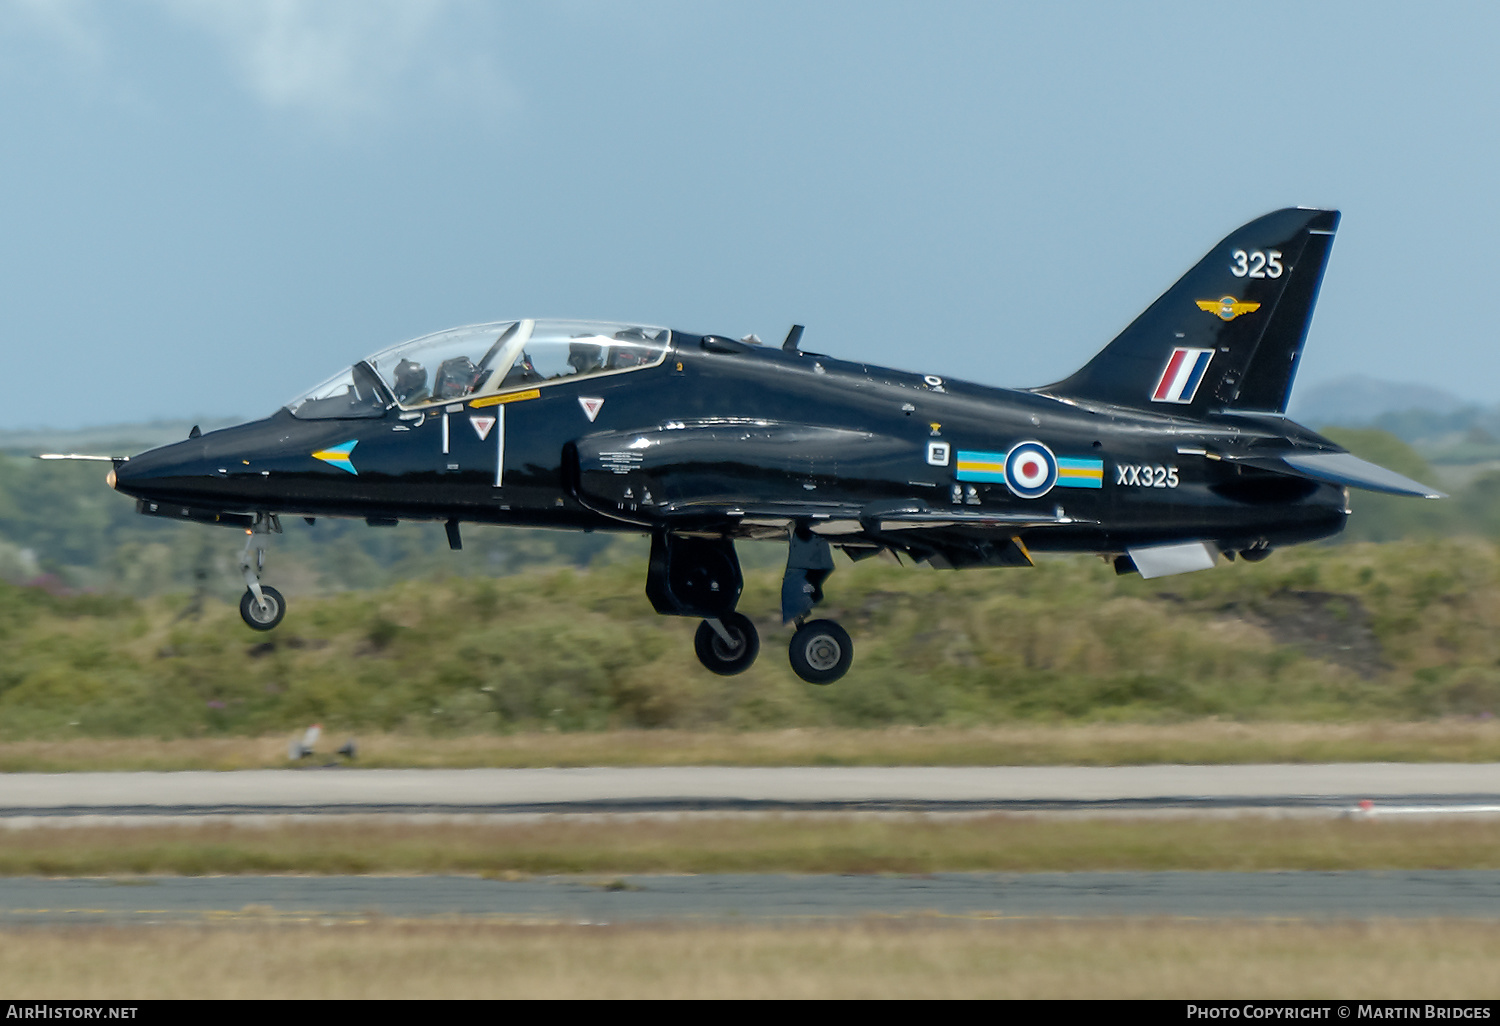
(697, 576)
(701, 577)
(821, 651)
(261, 607)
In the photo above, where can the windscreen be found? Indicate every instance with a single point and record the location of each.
(349, 395)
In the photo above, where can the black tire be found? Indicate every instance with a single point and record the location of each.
(724, 659)
(821, 652)
(258, 617)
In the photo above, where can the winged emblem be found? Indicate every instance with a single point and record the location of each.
(1227, 307)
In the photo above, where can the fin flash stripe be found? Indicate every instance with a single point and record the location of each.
(1182, 375)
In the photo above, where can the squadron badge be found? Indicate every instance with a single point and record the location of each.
(1226, 308)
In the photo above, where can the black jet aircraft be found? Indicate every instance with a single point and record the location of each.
(1169, 451)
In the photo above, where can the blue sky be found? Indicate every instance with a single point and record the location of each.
(206, 207)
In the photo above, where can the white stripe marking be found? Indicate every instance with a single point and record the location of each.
(1184, 371)
(499, 445)
(1421, 810)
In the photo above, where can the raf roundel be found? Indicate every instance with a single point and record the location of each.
(1030, 470)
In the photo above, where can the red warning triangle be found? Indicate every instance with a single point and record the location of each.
(482, 426)
(591, 406)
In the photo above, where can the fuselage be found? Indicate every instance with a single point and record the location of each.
(757, 426)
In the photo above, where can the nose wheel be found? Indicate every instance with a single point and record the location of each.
(821, 652)
(261, 607)
(264, 614)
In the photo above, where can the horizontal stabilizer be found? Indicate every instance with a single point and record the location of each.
(1345, 468)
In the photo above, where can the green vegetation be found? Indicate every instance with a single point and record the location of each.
(1398, 631)
(1472, 510)
(838, 843)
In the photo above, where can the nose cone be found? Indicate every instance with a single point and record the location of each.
(157, 471)
(196, 471)
(233, 469)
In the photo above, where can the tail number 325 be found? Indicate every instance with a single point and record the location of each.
(1256, 263)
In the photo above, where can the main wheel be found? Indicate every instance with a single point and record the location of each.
(262, 616)
(724, 657)
(821, 652)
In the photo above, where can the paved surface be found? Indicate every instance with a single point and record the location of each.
(642, 789)
(1316, 896)
(75, 798)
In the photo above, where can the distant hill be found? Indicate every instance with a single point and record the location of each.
(1441, 427)
(1358, 400)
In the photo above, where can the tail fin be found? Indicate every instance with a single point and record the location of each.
(1229, 334)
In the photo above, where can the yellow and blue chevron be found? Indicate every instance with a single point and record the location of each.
(338, 456)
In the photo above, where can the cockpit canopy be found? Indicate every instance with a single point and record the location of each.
(482, 359)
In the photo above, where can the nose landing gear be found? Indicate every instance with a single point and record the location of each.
(264, 613)
(261, 607)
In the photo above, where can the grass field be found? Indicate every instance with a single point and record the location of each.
(840, 843)
(1403, 631)
(908, 958)
(1195, 743)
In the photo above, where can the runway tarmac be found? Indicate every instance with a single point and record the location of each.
(738, 898)
(31, 800)
(1333, 788)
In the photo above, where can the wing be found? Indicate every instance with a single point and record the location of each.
(755, 479)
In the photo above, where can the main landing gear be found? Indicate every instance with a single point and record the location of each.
(727, 644)
(821, 652)
(701, 577)
(261, 607)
